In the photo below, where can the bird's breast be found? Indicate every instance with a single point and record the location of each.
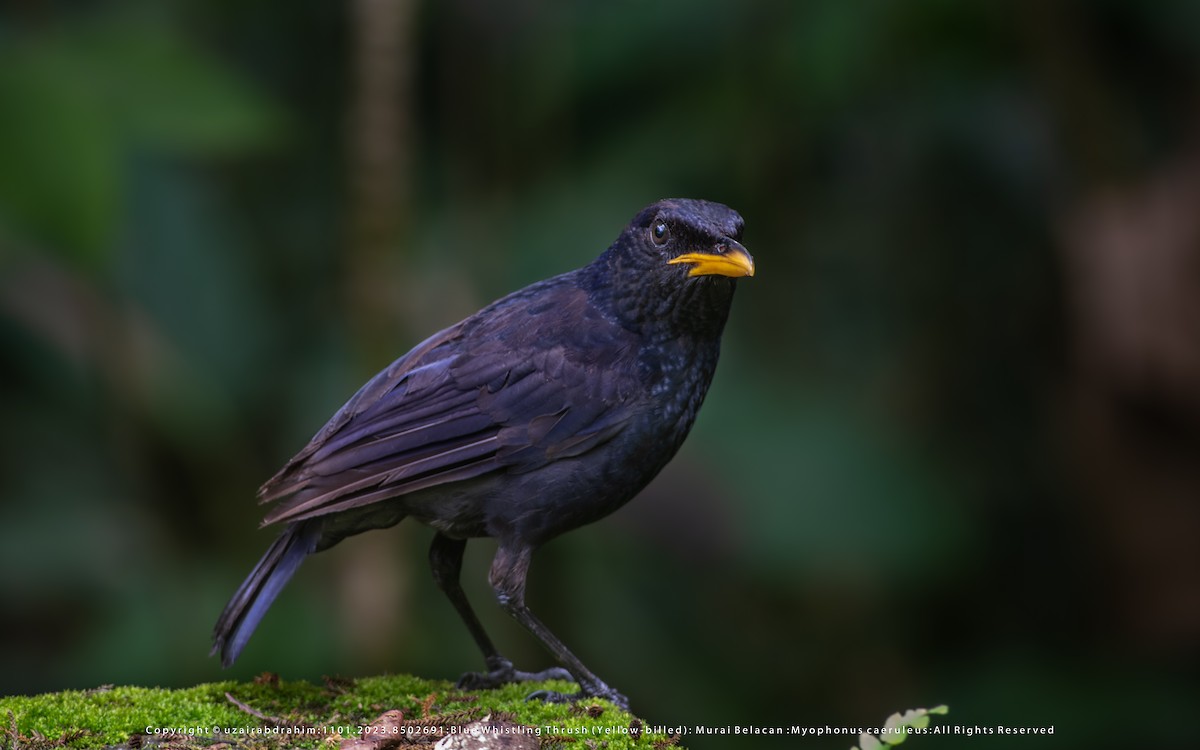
(676, 377)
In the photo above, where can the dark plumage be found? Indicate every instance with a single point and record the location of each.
(544, 411)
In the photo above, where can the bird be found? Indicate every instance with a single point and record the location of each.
(545, 411)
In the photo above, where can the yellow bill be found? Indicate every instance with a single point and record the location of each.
(734, 262)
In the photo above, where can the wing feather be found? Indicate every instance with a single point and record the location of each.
(486, 395)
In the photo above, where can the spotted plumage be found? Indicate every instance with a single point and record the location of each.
(544, 411)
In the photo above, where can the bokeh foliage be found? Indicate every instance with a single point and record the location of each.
(929, 471)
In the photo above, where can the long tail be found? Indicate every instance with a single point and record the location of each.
(254, 597)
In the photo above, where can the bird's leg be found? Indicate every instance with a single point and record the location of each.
(509, 570)
(445, 559)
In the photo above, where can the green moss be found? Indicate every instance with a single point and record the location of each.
(276, 715)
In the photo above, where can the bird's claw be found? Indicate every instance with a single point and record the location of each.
(602, 691)
(501, 672)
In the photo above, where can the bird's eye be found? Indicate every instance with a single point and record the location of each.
(659, 233)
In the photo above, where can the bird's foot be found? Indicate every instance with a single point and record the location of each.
(596, 690)
(501, 672)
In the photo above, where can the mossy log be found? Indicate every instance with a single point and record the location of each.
(371, 713)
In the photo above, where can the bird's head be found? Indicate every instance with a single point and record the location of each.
(701, 237)
(678, 260)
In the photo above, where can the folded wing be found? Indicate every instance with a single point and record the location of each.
(464, 403)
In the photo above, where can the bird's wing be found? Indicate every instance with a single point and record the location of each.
(512, 389)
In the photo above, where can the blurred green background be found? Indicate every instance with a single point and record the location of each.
(952, 454)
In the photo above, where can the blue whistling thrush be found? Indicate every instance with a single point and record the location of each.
(544, 411)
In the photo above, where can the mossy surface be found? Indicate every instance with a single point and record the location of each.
(269, 713)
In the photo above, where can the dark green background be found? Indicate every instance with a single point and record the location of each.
(952, 454)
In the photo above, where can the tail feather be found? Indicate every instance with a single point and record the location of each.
(254, 597)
